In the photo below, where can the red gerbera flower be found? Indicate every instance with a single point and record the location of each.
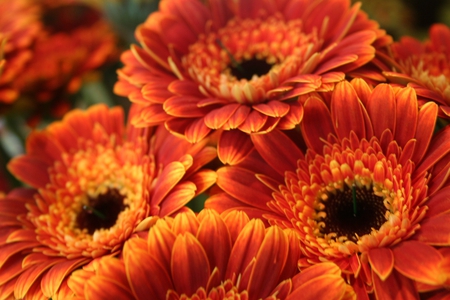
(425, 66)
(370, 194)
(240, 65)
(75, 40)
(94, 188)
(209, 257)
(19, 27)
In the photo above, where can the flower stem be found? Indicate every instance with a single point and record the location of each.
(234, 62)
(90, 209)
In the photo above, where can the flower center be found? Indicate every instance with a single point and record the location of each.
(249, 68)
(247, 59)
(101, 211)
(350, 212)
(67, 18)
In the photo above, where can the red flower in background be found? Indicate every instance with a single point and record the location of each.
(209, 257)
(19, 26)
(94, 189)
(425, 66)
(241, 65)
(371, 193)
(75, 41)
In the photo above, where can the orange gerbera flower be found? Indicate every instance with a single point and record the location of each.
(425, 66)
(93, 190)
(75, 40)
(209, 257)
(241, 65)
(370, 194)
(19, 26)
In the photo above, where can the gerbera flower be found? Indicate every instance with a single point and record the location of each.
(369, 194)
(94, 187)
(209, 257)
(425, 66)
(19, 27)
(75, 40)
(240, 65)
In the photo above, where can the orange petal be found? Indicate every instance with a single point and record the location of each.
(151, 115)
(407, 111)
(382, 109)
(419, 261)
(218, 252)
(439, 145)
(52, 280)
(243, 185)
(218, 117)
(435, 230)
(346, 111)
(97, 288)
(196, 131)
(236, 221)
(396, 286)
(293, 117)
(160, 243)
(181, 194)
(254, 122)
(316, 112)
(239, 116)
(186, 222)
(278, 151)
(233, 147)
(438, 204)
(273, 109)
(270, 261)
(328, 286)
(245, 248)
(168, 178)
(190, 266)
(147, 277)
(30, 170)
(29, 276)
(185, 107)
(382, 261)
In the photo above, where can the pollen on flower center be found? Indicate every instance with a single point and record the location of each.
(351, 212)
(101, 211)
(243, 61)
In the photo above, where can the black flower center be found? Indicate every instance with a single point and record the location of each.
(247, 68)
(353, 212)
(101, 211)
(66, 18)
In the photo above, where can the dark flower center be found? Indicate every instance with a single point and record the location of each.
(101, 211)
(247, 68)
(66, 18)
(353, 212)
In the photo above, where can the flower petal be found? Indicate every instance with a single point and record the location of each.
(278, 151)
(396, 286)
(147, 277)
(381, 107)
(211, 225)
(233, 147)
(168, 178)
(52, 280)
(245, 248)
(345, 102)
(190, 266)
(105, 288)
(269, 264)
(243, 185)
(435, 230)
(382, 261)
(419, 261)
